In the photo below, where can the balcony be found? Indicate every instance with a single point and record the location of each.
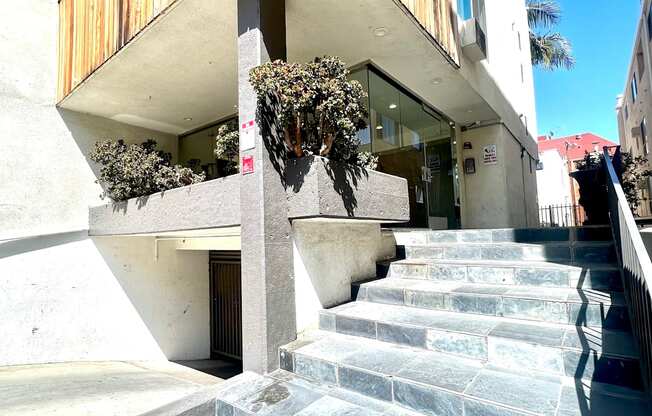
(171, 65)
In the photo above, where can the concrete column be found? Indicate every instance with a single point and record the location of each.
(268, 306)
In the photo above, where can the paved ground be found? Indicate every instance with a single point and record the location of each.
(97, 388)
(219, 368)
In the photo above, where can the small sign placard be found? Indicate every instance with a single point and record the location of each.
(248, 134)
(247, 165)
(490, 155)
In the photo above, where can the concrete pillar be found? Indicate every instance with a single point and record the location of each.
(268, 306)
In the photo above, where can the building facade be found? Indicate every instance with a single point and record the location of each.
(634, 105)
(452, 119)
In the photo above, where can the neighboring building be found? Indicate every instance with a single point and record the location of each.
(557, 159)
(452, 111)
(634, 105)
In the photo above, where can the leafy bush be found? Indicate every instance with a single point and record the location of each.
(135, 170)
(227, 146)
(633, 175)
(318, 108)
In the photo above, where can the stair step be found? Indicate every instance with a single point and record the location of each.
(532, 273)
(282, 393)
(608, 356)
(527, 235)
(580, 307)
(433, 383)
(573, 253)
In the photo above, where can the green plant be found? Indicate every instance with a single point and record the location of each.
(227, 148)
(319, 110)
(634, 172)
(136, 170)
(550, 50)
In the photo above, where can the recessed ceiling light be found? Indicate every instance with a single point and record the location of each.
(188, 118)
(392, 106)
(437, 81)
(379, 127)
(380, 32)
(469, 111)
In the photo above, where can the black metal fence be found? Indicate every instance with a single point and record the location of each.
(561, 216)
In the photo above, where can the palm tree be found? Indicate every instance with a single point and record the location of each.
(550, 50)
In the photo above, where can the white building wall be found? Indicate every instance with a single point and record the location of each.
(553, 181)
(67, 297)
(328, 257)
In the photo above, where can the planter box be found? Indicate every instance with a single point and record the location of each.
(319, 188)
(211, 204)
(316, 188)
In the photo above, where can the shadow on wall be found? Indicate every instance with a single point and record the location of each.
(86, 130)
(344, 176)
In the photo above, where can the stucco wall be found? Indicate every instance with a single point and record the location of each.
(499, 195)
(66, 297)
(553, 182)
(46, 181)
(72, 298)
(328, 256)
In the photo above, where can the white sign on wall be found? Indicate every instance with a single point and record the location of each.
(248, 134)
(489, 155)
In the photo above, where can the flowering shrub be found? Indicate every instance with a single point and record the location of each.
(135, 170)
(227, 148)
(318, 108)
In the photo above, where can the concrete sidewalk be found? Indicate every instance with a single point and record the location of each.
(96, 388)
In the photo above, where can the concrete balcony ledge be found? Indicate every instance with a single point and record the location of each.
(319, 188)
(212, 204)
(316, 189)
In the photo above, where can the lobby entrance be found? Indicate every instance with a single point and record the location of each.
(413, 141)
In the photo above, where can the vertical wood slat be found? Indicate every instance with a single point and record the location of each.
(439, 19)
(91, 31)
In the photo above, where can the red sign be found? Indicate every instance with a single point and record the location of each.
(247, 165)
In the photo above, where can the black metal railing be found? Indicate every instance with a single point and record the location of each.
(635, 263)
(561, 216)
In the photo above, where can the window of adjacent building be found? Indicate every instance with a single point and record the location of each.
(626, 112)
(634, 87)
(522, 74)
(640, 60)
(644, 136)
(465, 9)
(649, 23)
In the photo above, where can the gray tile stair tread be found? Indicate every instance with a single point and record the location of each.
(511, 263)
(555, 294)
(283, 394)
(616, 343)
(520, 390)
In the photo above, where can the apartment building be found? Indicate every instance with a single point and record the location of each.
(634, 105)
(452, 119)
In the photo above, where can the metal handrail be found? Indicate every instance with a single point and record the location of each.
(635, 264)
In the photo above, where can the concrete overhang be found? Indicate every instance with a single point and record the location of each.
(180, 72)
(177, 74)
(405, 52)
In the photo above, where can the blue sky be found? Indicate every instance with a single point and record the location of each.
(583, 99)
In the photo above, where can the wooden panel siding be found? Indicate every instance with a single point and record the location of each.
(439, 19)
(91, 31)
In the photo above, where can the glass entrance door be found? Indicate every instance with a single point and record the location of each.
(414, 142)
(440, 170)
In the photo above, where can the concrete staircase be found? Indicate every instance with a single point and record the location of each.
(473, 323)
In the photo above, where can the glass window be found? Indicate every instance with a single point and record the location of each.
(644, 136)
(649, 23)
(634, 86)
(362, 76)
(385, 114)
(464, 9)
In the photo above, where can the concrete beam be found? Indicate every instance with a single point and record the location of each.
(317, 187)
(211, 204)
